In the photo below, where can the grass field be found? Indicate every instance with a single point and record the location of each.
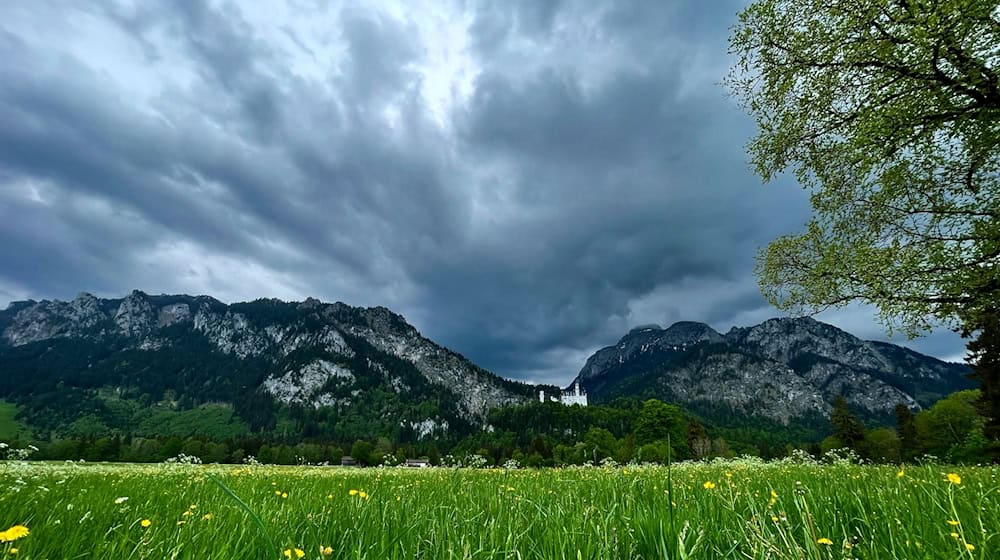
(734, 510)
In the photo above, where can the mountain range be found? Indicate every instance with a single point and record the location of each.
(183, 365)
(90, 366)
(781, 369)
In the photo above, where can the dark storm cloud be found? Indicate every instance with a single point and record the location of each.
(590, 175)
(625, 186)
(266, 175)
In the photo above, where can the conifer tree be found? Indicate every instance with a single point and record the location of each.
(907, 432)
(847, 427)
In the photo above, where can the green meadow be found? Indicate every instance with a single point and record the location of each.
(726, 510)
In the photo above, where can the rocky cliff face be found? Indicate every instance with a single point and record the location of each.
(781, 369)
(310, 354)
(478, 390)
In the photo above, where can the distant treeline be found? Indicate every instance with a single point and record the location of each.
(550, 434)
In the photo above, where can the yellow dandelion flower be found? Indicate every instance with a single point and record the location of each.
(14, 533)
(193, 506)
(12, 551)
(774, 518)
(952, 522)
(900, 473)
(145, 523)
(969, 546)
(326, 550)
(353, 492)
(294, 553)
(954, 535)
(708, 485)
(954, 478)
(207, 517)
(187, 513)
(825, 541)
(329, 496)
(284, 495)
(181, 522)
(277, 492)
(363, 495)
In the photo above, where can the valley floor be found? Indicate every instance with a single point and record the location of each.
(727, 510)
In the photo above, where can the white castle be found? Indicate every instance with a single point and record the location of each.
(576, 397)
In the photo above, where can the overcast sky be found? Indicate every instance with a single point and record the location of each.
(523, 181)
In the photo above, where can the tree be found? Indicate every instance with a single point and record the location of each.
(984, 355)
(847, 428)
(881, 445)
(720, 448)
(906, 431)
(948, 423)
(434, 455)
(362, 452)
(653, 453)
(657, 419)
(600, 443)
(697, 440)
(888, 112)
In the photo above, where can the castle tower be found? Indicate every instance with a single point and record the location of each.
(577, 396)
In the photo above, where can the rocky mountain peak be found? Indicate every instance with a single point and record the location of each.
(782, 368)
(679, 333)
(33, 321)
(85, 299)
(788, 338)
(135, 315)
(691, 332)
(310, 303)
(645, 345)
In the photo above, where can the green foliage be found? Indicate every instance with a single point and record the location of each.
(831, 443)
(363, 452)
(887, 112)
(656, 421)
(846, 426)
(984, 355)
(212, 421)
(948, 424)
(881, 445)
(906, 429)
(599, 444)
(10, 428)
(565, 423)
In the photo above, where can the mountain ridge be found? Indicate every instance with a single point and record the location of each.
(781, 369)
(323, 362)
(331, 368)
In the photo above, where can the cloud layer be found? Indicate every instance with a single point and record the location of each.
(523, 180)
